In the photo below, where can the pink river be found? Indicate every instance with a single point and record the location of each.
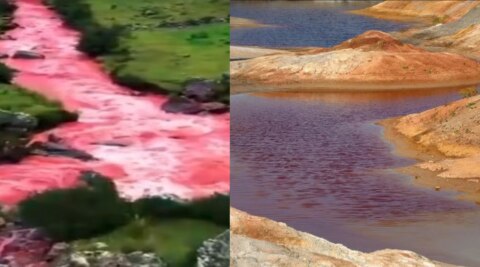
(165, 154)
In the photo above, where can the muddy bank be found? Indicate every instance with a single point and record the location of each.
(431, 12)
(370, 61)
(445, 142)
(258, 241)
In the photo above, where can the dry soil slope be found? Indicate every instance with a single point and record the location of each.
(427, 11)
(371, 61)
(462, 35)
(454, 131)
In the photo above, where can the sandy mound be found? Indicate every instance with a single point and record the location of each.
(427, 11)
(454, 131)
(466, 40)
(257, 241)
(371, 61)
(461, 36)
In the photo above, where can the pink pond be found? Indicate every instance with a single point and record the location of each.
(181, 155)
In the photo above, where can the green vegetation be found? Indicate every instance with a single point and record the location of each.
(74, 213)
(6, 10)
(48, 113)
(215, 209)
(153, 44)
(95, 212)
(96, 39)
(175, 240)
(13, 145)
(469, 92)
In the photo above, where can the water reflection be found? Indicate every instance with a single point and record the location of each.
(318, 162)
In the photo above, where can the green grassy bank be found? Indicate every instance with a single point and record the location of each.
(163, 43)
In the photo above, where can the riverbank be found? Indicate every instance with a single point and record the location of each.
(258, 241)
(158, 46)
(139, 148)
(367, 62)
(444, 141)
(237, 23)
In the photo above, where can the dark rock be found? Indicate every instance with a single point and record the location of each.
(215, 107)
(200, 90)
(182, 105)
(12, 148)
(24, 54)
(57, 250)
(215, 252)
(57, 149)
(111, 143)
(17, 120)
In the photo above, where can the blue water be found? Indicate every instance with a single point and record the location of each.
(304, 23)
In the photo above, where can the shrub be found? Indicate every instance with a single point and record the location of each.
(6, 74)
(53, 117)
(215, 209)
(6, 7)
(83, 212)
(96, 40)
(469, 92)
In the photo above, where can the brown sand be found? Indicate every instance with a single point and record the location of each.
(447, 158)
(371, 61)
(422, 11)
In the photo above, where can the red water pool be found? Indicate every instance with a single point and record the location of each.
(183, 155)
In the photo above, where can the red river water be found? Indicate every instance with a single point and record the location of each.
(173, 154)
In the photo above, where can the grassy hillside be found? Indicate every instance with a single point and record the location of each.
(170, 41)
(163, 42)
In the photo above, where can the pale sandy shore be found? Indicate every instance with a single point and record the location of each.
(248, 52)
(445, 141)
(236, 22)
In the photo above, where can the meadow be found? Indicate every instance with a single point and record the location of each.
(168, 42)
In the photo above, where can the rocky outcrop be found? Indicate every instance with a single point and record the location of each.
(24, 54)
(199, 96)
(14, 126)
(59, 149)
(215, 252)
(419, 10)
(64, 255)
(16, 122)
(371, 61)
(257, 241)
